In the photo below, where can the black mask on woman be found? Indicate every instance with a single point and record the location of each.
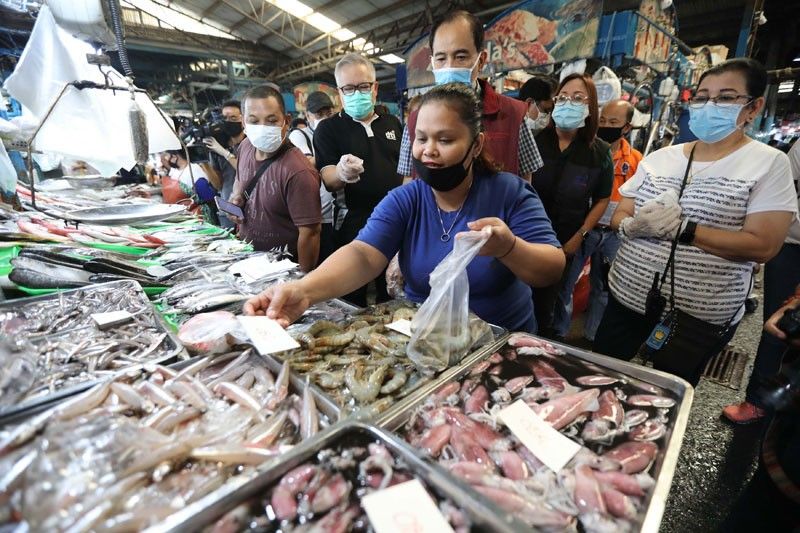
(232, 129)
(445, 178)
(609, 134)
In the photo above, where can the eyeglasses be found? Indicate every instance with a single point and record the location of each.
(575, 99)
(363, 88)
(722, 99)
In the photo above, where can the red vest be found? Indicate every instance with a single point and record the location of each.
(502, 118)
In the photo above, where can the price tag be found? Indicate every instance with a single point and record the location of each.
(404, 508)
(267, 335)
(111, 319)
(547, 444)
(401, 326)
(256, 268)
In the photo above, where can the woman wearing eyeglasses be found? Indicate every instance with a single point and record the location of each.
(460, 189)
(574, 183)
(723, 202)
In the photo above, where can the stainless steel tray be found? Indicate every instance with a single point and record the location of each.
(232, 477)
(484, 515)
(16, 413)
(118, 215)
(666, 461)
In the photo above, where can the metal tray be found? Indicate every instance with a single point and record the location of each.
(484, 515)
(327, 403)
(236, 477)
(666, 461)
(91, 181)
(118, 215)
(16, 413)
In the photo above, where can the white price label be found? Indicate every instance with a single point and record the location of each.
(404, 508)
(267, 335)
(111, 319)
(259, 267)
(547, 444)
(401, 326)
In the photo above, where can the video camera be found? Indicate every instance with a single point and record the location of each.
(193, 131)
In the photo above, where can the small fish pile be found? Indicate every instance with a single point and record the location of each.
(52, 230)
(68, 347)
(619, 425)
(358, 362)
(125, 455)
(325, 494)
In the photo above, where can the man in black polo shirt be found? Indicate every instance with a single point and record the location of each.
(357, 151)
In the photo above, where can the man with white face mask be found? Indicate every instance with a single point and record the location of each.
(458, 56)
(537, 92)
(276, 186)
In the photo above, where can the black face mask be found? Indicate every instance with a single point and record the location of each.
(174, 164)
(232, 129)
(609, 134)
(445, 178)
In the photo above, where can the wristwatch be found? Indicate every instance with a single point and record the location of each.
(230, 155)
(584, 234)
(687, 237)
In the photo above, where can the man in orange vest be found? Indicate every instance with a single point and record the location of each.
(601, 244)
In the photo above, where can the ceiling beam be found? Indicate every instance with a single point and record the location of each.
(210, 9)
(258, 19)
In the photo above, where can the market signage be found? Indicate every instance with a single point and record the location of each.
(302, 91)
(543, 32)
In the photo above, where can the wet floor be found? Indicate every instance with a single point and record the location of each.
(717, 458)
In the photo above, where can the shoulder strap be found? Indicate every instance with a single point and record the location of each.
(263, 168)
(671, 261)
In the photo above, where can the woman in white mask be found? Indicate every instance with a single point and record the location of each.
(702, 214)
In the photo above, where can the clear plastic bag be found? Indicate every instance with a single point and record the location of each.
(442, 332)
(395, 282)
(211, 333)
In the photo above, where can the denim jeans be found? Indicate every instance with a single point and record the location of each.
(601, 245)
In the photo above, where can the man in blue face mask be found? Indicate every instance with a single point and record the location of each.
(356, 151)
(458, 55)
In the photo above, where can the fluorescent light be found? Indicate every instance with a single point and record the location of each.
(343, 34)
(293, 7)
(322, 23)
(392, 59)
(786, 87)
(796, 59)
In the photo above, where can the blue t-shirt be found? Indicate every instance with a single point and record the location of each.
(407, 220)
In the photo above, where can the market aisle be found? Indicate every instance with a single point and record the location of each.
(717, 458)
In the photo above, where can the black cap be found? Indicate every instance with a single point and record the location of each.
(318, 100)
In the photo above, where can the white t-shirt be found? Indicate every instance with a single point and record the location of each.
(794, 160)
(185, 177)
(753, 179)
(300, 138)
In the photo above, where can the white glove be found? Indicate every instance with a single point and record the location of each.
(349, 168)
(214, 145)
(653, 219)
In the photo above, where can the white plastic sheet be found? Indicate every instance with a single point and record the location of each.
(91, 125)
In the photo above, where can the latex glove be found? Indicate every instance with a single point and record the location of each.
(214, 145)
(653, 219)
(349, 168)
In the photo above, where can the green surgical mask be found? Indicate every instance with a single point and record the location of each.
(358, 105)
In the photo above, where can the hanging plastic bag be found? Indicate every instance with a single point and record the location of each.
(607, 84)
(441, 333)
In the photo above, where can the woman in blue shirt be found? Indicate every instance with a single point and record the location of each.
(460, 189)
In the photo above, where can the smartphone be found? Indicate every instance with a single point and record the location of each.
(232, 209)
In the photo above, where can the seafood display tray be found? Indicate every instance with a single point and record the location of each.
(328, 405)
(664, 468)
(16, 413)
(484, 515)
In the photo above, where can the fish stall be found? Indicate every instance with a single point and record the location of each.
(133, 398)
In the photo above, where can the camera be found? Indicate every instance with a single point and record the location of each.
(790, 323)
(782, 392)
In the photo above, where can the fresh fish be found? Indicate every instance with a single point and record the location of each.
(634, 457)
(562, 411)
(651, 400)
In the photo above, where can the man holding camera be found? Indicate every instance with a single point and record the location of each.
(771, 501)
(223, 158)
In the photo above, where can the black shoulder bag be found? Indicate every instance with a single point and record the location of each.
(679, 343)
(251, 185)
